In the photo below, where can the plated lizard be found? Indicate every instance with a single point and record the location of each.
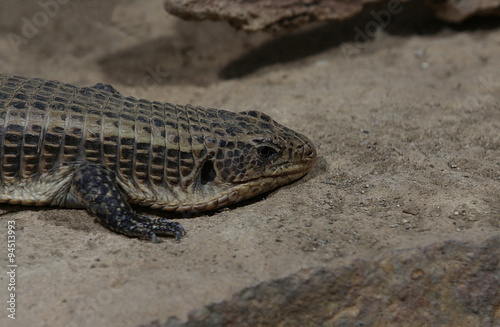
(92, 147)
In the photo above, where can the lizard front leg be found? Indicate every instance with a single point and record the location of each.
(94, 187)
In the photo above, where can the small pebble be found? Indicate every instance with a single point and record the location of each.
(420, 53)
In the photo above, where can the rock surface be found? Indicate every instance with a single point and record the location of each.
(444, 284)
(457, 11)
(254, 15)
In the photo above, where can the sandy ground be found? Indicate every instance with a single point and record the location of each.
(407, 127)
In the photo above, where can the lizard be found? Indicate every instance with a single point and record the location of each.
(91, 147)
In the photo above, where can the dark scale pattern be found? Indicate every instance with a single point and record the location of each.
(172, 145)
(92, 147)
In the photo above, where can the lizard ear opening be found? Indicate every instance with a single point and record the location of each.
(207, 173)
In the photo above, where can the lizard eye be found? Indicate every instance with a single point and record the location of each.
(266, 152)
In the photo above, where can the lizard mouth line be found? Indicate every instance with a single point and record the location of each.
(247, 189)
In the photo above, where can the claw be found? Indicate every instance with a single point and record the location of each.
(179, 232)
(155, 238)
(174, 229)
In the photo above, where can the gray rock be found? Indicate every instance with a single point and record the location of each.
(271, 15)
(444, 284)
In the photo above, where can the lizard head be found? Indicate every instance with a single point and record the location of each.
(252, 154)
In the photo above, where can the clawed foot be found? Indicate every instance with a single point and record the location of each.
(165, 227)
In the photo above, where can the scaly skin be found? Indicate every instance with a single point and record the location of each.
(92, 147)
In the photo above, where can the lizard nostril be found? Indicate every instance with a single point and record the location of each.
(309, 153)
